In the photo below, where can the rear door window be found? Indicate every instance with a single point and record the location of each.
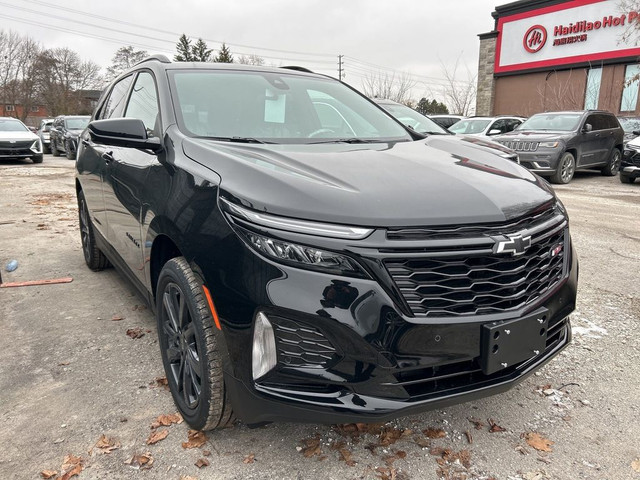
(114, 104)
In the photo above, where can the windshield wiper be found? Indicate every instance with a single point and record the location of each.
(346, 140)
(237, 139)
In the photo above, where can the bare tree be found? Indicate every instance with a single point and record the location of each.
(459, 94)
(252, 59)
(383, 85)
(62, 75)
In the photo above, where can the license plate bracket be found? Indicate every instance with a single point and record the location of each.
(513, 341)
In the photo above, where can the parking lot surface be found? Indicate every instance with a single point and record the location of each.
(81, 375)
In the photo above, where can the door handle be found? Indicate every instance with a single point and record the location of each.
(108, 157)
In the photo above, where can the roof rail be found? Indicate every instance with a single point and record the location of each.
(298, 69)
(159, 57)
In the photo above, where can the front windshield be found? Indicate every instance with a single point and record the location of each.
(630, 124)
(278, 107)
(8, 125)
(560, 122)
(413, 119)
(475, 125)
(79, 123)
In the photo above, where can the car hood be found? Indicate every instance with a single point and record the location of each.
(534, 135)
(437, 181)
(7, 136)
(484, 144)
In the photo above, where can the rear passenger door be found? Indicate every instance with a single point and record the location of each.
(593, 144)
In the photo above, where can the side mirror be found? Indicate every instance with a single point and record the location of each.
(494, 132)
(587, 128)
(123, 132)
(636, 132)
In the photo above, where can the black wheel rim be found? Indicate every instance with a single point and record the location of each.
(85, 234)
(181, 347)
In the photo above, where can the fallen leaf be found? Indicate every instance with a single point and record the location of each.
(156, 436)
(106, 444)
(311, 446)
(141, 462)
(196, 439)
(346, 456)
(422, 442)
(71, 473)
(636, 465)
(249, 458)
(390, 435)
(434, 433)
(136, 332)
(202, 462)
(206, 453)
(160, 382)
(166, 420)
(397, 455)
(478, 424)
(63, 364)
(46, 474)
(385, 473)
(495, 427)
(71, 466)
(467, 434)
(116, 318)
(538, 442)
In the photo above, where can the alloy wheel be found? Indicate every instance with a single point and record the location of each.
(85, 234)
(181, 347)
(568, 168)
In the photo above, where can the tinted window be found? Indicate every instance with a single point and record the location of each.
(611, 121)
(114, 105)
(500, 125)
(143, 103)
(597, 121)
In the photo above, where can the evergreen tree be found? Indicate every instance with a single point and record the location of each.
(225, 55)
(432, 107)
(184, 49)
(201, 52)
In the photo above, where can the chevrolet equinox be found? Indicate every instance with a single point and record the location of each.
(308, 257)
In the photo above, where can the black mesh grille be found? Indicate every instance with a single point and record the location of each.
(476, 281)
(301, 345)
(20, 147)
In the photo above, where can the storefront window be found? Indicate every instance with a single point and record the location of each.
(630, 92)
(593, 88)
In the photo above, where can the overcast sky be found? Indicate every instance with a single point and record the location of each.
(412, 36)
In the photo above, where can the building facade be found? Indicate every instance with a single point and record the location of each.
(546, 55)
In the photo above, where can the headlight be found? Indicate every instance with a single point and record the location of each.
(301, 256)
(549, 144)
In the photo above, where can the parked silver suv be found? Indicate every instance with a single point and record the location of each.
(556, 144)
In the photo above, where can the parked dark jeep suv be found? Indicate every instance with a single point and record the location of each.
(64, 135)
(556, 144)
(310, 258)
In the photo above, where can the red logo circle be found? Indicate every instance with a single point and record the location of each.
(535, 38)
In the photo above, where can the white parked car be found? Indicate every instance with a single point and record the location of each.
(486, 125)
(17, 141)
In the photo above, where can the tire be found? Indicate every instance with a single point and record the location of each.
(613, 165)
(566, 169)
(93, 256)
(70, 152)
(186, 332)
(626, 179)
(37, 159)
(54, 150)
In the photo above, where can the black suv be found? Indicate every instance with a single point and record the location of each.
(64, 134)
(556, 144)
(310, 258)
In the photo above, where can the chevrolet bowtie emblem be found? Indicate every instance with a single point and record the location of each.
(514, 244)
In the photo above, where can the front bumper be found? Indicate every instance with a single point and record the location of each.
(542, 161)
(630, 164)
(347, 352)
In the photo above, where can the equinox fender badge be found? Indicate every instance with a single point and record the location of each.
(514, 244)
